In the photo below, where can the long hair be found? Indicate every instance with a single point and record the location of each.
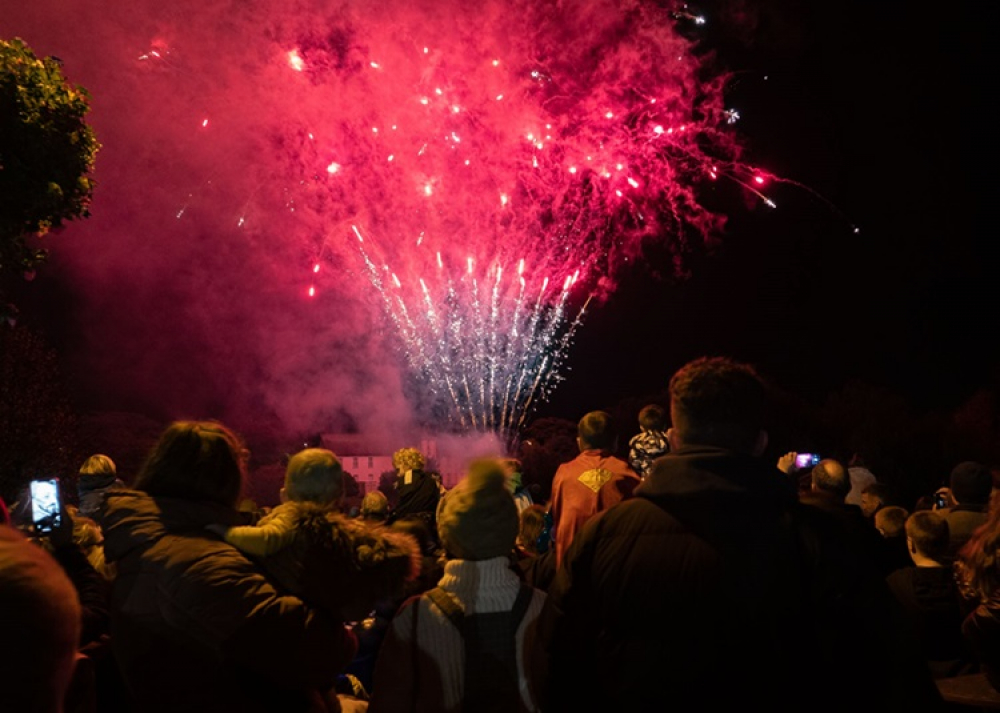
(195, 460)
(978, 557)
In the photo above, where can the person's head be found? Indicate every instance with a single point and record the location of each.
(927, 534)
(652, 418)
(40, 620)
(829, 476)
(715, 401)
(512, 470)
(971, 483)
(408, 459)
(873, 497)
(374, 506)
(531, 528)
(314, 475)
(890, 521)
(477, 519)
(98, 465)
(596, 431)
(195, 460)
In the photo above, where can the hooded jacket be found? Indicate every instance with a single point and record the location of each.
(715, 589)
(196, 626)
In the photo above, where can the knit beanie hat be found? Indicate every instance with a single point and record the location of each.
(477, 519)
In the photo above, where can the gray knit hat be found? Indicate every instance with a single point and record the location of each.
(477, 519)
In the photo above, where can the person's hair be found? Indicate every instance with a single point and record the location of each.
(891, 520)
(971, 483)
(531, 528)
(408, 459)
(374, 506)
(98, 464)
(314, 475)
(195, 460)
(930, 533)
(716, 401)
(831, 477)
(653, 418)
(596, 431)
(40, 620)
(980, 556)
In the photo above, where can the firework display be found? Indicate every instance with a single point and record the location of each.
(492, 182)
(480, 170)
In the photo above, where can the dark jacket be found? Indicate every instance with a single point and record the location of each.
(195, 625)
(418, 497)
(714, 589)
(92, 490)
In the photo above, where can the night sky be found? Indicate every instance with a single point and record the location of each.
(875, 110)
(880, 108)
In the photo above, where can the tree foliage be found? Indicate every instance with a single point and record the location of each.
(47, 152)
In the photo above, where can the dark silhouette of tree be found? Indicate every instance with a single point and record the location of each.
(46, 153)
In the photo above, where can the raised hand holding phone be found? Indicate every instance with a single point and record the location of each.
(46, 506)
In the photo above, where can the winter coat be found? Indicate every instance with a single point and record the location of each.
(92, 490)
(421, 666)
(714, 589)
(340, 564)
(196, 626)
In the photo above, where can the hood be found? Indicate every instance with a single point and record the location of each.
(89, 483)
(717, 489)
(133, 519)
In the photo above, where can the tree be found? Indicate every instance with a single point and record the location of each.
(47, 152)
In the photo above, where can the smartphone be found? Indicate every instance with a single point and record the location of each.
(941, 501)
(806, 460)
(46, 505)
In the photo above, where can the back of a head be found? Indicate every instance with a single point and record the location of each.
(374, 506)
(532, 527)
(195, 460)
(596, 431)
(98, 464)
(716, 401)
(314, 475)
(408, 459)
(477, 519)
(40, 621)
(653, 418)
(829, 476)
(928, 529)
(971, 483)
(891, 521)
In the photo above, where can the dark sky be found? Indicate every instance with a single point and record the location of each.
(875, 110)
(880, 109)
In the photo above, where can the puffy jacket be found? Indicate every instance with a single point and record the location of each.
(196, 626)
(714, 589)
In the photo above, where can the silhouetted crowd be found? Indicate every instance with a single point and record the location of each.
(691, 575)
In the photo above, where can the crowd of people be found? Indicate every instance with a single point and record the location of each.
(693, 574)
